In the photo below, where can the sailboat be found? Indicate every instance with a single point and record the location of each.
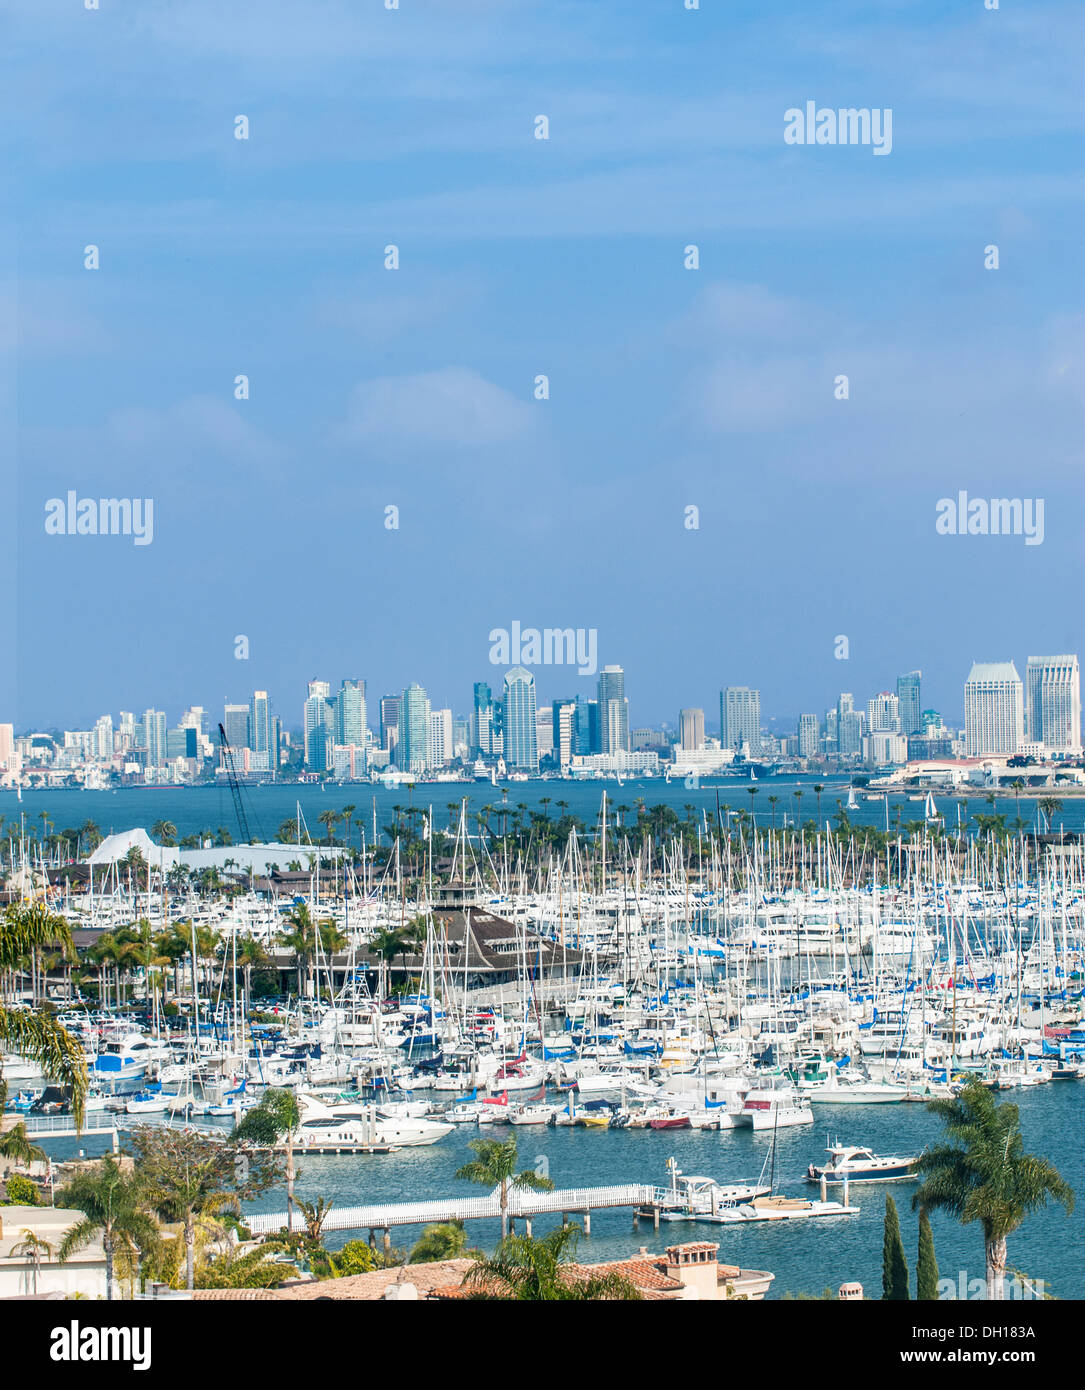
(853, 800)
(931, 810)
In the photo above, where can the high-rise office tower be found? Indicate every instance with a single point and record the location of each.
(994, 715)
(259, 739)
(389, 722)
(613, 711)
(154, 736)
(691, 729)
(350, 714)
(587, 726)
(103, 737)
(317, 726)
(521, 735)
(740, 717)
(413, 744)
(1054, 702)
(563, 714)
(883, 713)
(850, 728)
(235, 720)
(440, 737)
(482, 719)
(910, 702)
(808, 735)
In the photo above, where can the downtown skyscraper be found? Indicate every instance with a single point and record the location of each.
(740, 718)
(520, 728)
(413, 744)
(613, 711)
(994, 716)
(1054, 702)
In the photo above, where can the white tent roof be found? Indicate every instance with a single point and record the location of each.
(115, 847)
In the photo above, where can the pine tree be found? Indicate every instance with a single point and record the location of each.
(926, 1266)
(894, 1265)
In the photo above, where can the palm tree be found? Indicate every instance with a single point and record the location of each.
(33, 1247)
(348, 816)
(302, 940)
(16, 1144)
(445, 1240)
(773, 801)
(251, 956)
(818, 789)
(112, 1203)
(539, 1271)
(165, 832)
(329, 819)
(496, 1167)
(271, 1122)
(1050, 805)
(986, 1176)
(24, 928)
(314, 1214)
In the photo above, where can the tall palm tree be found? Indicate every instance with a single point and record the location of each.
(112, 1203)
(986, 1176)
(818, 789)
(444, 1240)
(24, 928)
(329, 819)
(1050, 805)
(539, 1271)
(496, 1167)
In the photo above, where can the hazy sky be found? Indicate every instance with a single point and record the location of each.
(669, 387)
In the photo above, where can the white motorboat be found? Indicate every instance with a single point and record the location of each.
(360, 1125)
(771, 1109)
(855, 1163)
(532, 1115)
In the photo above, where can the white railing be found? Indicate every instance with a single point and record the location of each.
(64, 1124)
(522, 1202)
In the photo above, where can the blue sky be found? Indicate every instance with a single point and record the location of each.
(414, 387)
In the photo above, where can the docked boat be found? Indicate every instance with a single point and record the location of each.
(532, 1115)
(774, 1108)
(856, 1163)
(360, 1126)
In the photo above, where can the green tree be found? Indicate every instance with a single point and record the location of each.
(114, 1205)
(26, 928)
(894, 1265)
(986, 1176)
(165, 832)
(496, 1167)
(186, 1176)
(926, 1266)
(33, 1247)
(538, 1270)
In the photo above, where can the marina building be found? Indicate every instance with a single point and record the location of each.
(994, 713)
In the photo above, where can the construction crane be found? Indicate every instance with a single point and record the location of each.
(235, 786)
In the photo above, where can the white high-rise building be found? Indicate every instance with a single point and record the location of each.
(740, 718)
(808, 735)
(1054, 702)
(883, 713)
(691, 729)
(994, 710)
(440, 738)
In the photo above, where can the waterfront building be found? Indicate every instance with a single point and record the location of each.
(544, 733)
(851, 726)
(482, 721)
(884, 748)
(261, 727)
(633, 764)
(350, 714)
(613, 711)
(413, 742)
(740, 718)
(883, 713)
(563, 731)
(909, 702)
(520, 727)
(439, 753)
(587, 726)
(994, 716)
(808, 735)
(235, 720)
(1054, 702)
(389, 731)
(318, 726)
(690, 729)
(154, 736)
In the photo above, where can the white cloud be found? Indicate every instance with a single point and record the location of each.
(453, 405)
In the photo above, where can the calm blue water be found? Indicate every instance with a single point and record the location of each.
(201, 808)
(805, 1256)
